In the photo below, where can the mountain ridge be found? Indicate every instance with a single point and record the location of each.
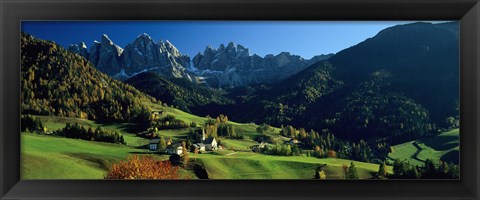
(229, 65)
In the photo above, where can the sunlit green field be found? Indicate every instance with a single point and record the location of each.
(244, 165)
(444, 147)
(48, 157)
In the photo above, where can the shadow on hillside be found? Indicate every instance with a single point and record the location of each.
(102, 163)
(127, 127)
(143, 153)
(451, 156)
(441, 143)
(419, 149)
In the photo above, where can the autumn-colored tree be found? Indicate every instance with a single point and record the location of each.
(162, 144)
(332, 154)
(142, 167)
(184, 154)
(345, 169)
(320, 174)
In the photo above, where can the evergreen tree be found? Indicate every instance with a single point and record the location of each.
(352, 171)
(382, 171)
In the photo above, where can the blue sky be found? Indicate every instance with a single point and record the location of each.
(190, 37)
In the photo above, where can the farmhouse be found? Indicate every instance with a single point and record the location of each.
(199, 146)
(258, 147)
(175, 149)
(293, 141)
(153, 144)
(158, 114)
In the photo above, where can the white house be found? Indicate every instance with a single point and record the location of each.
(153, 144)
(293, 141)
(175, 149)
(199, 146)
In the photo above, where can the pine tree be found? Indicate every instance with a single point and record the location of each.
(352, 171)
(382, 172)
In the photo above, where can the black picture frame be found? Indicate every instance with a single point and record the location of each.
(14, 11)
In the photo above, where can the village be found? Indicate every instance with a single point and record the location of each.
(206, 144)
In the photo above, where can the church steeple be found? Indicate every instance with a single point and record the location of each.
(203, 134)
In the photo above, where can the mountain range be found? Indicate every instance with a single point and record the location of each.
(405, 76)
(401, 84)
(224, 67)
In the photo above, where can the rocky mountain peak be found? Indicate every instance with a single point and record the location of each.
(228, 65)
(143, 40)
(232, 65)
(80, 49)
(106, 39)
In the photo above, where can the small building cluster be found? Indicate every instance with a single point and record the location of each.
(158, 114)
(153, 144)
(258, 147)
(207, 144)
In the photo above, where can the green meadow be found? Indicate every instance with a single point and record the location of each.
(49, 157)
(247, 165)
(444, 146)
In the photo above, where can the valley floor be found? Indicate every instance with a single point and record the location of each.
(49, 157)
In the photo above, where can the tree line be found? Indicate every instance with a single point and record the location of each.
(57, 82)
(88, 133)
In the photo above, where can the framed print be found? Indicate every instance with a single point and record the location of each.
(239, 99)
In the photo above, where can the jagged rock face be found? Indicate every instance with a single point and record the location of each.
(80, 49)
(233, 66)
(228, 66)
(172, 61)
(144, 54)
(105, 56)
(139, 56)
(223, 58)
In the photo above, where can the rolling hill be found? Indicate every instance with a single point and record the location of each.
(370, 95)
(58, 82)
(444, 146)
(182, 93)
(406, 64)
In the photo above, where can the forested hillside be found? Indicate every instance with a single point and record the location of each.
(181, 93)
(402, 83)
(61, 83)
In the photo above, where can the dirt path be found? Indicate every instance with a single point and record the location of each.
(229, 154)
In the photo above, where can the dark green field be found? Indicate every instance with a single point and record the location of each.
(443, 147)
(49, 157)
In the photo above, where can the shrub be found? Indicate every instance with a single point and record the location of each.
(145, 167)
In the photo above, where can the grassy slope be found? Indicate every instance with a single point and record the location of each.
(441, 147)
(52, 157)
(257, 166)
(47, 157)
(247, 129)
(241, 145)
(55, 123)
